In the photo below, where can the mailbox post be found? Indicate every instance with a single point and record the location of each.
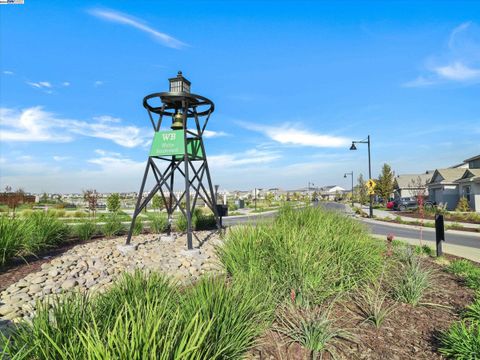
(439, 233)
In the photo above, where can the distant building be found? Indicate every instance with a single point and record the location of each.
(411, 185)
(447, 186)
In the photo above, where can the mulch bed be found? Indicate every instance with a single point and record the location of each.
(409, 332)
(427, 216)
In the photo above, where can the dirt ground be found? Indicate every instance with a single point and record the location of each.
(409, 332)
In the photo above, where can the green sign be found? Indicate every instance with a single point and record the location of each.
(170, 142)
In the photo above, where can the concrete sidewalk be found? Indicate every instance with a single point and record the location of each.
(457, 250)
(392, 215)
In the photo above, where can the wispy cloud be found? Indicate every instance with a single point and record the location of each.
(213, 134)
(8, 72)
(98, 83)
(125, 19)
(457, 71)
(290, 134)
(35, 125)
(66, 83)
(250, 157)
(60, 158)
(42, 85)
(460, 63)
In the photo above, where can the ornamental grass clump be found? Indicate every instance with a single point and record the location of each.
(145, 317)
(412, 279)
(44, 231)
(12, 233)
(86, 229)
(158, 223)
(113, 226)
(316, 253)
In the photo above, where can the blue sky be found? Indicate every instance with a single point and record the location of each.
(293, 84)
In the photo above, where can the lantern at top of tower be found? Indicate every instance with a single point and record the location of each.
(179, 84)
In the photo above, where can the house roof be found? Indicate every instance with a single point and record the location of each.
(411, 180)
(449, 175)
(470, 175)
(476, 157)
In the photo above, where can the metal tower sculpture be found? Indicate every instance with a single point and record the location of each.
(181, 149)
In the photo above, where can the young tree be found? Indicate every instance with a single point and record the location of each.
(157, 202)
(385, 183)
(91, 197)
(362, 194)
(113, 202)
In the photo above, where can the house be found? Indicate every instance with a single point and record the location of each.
(469, 188)
(443, 187)
(411, 185)
(331, 192)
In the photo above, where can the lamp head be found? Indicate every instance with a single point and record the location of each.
(353, 147)
(345, 175)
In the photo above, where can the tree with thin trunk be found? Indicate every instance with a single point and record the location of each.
(362, 194)
(113, 202)
(384, 186)
(91, 197)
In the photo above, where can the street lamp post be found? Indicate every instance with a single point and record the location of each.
(345, 176)
(255, 199)
(353, 147)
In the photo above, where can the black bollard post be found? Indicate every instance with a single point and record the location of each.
(439, 233)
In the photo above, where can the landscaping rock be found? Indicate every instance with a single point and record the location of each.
(96, 265)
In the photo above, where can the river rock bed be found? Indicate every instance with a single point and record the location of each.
(95, 266)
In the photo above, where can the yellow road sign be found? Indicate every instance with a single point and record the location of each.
(371, 184)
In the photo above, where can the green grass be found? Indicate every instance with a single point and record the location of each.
(145, 317)
(158, 223)
(314, 252)
(313, 330)
(86, 229)
(113, 226)
(411, 280)
(11, 235)
(462, 340)
(468, 271)
(31, 235)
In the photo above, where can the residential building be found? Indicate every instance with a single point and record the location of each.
(411, 185)
(461, 180)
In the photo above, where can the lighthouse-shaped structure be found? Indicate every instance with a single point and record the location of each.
(179, 119)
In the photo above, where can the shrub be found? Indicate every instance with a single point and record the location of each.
(144, 317)
(158, 223)
(138, 227)
(312, 330)
(113, 226)
(462, 340)
(371, 303)
(463, 205)
(239, 313)
(181, 223)
(412, 280)
(46, 231)
(12, 233)
(314, 252)
(86, 230)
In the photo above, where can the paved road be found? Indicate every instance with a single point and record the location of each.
(380, 229)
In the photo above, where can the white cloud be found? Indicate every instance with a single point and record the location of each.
(61, 158)
(460, 62)
(8, 72)
(40, 84)
(212, 134)
(107, 153)
(30, 125)
(457, 71)
(250, 157)
(289, 134)
(98, 83)
(125, 19)
(36, 124)
(66, 83)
